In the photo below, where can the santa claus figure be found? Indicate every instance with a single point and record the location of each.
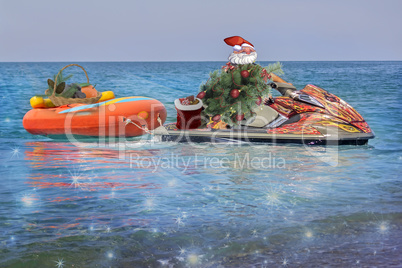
(244, 53)
(243, 50)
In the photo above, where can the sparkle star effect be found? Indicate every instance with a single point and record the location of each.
(254, 232)
(75, 181)
(59, 263)
(110, 255)
(193, 259)
(15, 152)
(285, 262)
(149, 202)
(76, 178)
(28, 200)
(227, 235)
(179, 221)
(182, 251)
(274, 197)
(383, 228)
(309, 234)
(172, 183)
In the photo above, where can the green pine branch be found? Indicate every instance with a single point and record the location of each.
(275, 68)
(218, 99)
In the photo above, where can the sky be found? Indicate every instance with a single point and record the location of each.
(185, 30)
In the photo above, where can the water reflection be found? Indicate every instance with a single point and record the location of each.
(87, 188)
(204, 206)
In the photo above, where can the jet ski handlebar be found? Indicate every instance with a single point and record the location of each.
(283, 88)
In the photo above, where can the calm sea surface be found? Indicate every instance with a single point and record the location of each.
(144, 203)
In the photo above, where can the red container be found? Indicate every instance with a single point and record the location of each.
(188, 116)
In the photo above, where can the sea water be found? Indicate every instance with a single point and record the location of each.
(144, 203)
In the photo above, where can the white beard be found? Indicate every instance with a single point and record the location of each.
(242, 58)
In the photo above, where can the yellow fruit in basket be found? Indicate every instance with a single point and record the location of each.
(37, 102)
(49, 103)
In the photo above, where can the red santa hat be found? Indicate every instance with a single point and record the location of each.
(237, 42)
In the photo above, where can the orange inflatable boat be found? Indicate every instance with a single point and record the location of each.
(128, 116)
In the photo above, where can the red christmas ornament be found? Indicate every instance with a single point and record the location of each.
(216, 118)
(258, 101)
(239, 117)
(234, 93)
(201, 95)
(245, 74)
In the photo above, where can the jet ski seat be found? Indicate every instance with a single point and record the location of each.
(265, 115)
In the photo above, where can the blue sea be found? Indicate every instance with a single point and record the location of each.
(141, 202)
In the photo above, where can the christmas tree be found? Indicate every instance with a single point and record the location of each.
(231, 94)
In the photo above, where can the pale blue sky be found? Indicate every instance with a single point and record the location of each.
(179, 30)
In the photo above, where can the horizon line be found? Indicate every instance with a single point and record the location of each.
(91, 61)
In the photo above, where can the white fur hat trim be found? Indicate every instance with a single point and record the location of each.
(182, 107)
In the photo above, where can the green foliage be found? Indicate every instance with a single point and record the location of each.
(70, 90)
(217, 91)
(275, 68)
(61, 83)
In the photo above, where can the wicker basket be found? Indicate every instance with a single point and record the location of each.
(59, 100)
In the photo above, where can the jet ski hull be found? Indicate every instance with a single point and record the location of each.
(262, 136)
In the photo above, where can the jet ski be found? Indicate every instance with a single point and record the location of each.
(311, 116)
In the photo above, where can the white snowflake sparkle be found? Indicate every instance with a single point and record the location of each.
(59, 263)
